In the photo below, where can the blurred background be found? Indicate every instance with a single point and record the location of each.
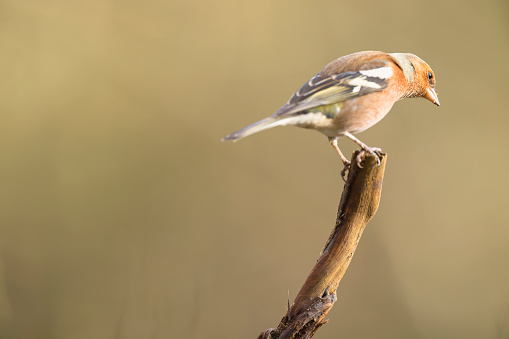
(122, 214)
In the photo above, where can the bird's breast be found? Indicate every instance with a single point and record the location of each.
(360, 114)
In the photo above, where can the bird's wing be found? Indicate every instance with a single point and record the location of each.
(336, 88)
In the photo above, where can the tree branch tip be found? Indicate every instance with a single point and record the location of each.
(358, 204)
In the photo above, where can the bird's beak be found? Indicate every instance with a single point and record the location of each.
(432, 96)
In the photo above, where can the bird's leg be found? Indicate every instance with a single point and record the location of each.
(365, 148)
(334, 143)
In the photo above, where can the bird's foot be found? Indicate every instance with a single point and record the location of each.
(377, 152)
(346, 168)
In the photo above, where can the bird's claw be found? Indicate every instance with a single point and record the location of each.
(343, 171)
(377, 152)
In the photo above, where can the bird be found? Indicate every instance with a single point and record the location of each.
(351, 94)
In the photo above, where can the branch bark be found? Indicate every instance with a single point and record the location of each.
(359, 203)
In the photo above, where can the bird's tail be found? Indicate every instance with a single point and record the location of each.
(254, 128)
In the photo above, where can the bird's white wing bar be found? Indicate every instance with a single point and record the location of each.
(382, 72)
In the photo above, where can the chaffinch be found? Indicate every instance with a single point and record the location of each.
(350, 95)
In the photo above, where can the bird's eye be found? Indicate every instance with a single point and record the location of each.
(430, 76)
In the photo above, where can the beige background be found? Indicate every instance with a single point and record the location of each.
(122, 214)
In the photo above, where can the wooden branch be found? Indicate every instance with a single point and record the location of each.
(358, 204)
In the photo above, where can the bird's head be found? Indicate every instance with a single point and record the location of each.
(423, 82)
(419, 77)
